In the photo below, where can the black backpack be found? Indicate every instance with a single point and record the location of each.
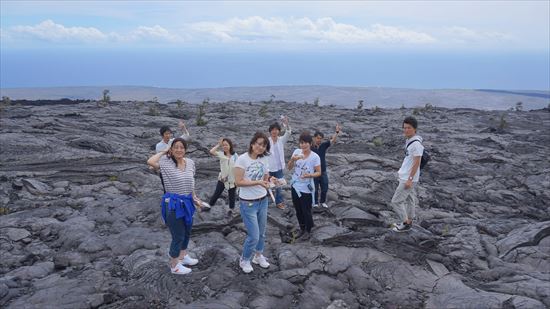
(425, 155)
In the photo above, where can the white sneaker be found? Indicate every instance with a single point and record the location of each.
(180, 269)
(245, 266)
(324, 205)
(315, 205)
(205, 206)
(260, 260)
(187, 260)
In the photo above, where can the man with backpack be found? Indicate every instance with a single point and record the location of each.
(404, 199)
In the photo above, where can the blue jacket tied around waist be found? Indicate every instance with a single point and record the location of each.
(181, 203)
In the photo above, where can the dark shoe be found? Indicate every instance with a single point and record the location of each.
(230, 213)
(402, 227)
(300, 234)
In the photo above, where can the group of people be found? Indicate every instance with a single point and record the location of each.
(257, 175)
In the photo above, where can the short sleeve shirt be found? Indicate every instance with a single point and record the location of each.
(304, 166)
(254, 169)
(176, 180)
(414, 150)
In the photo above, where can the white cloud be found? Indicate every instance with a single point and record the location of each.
(466, 35)
(259, 30)
(155, 33)
(324, 29)
(50, 31)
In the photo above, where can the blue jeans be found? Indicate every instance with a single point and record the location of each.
(321, 181)
(278, 192)
(254, 216)
(180, 233)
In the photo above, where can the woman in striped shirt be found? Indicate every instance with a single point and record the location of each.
(178, 203)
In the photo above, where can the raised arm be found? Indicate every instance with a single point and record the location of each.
(288, 130)
(154, 159)
(183, 128)
(214, 149)
(333, 139)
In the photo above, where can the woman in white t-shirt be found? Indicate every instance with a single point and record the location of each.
(307, 166)
(226, 178)
(252, 178)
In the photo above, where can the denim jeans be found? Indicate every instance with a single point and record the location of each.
(278, 192)
(219, 190)
(254, 216)
(322, 182)
(180, 233)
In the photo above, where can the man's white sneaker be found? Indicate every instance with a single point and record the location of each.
(245, 266)
(260, 260)
(315, 205)
(179, 269)
(324, 205)
(187, 260)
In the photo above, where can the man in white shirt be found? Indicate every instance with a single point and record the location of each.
(276, 158)
(167, 139)
(404, 199)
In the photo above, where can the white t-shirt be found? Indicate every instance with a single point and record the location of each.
(414, 150)
(304, 166)
(162, 145)
(253, 170)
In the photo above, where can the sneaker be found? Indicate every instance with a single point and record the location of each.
(187, 260)
(230, 213)
(205, 206)
(179, 269)
(245, 266)
(260, 260)
(324, 205)
(281, 206)
(401, 227)
(315, 205)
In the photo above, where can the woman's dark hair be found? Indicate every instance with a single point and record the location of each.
(305, 137)
(231, 150)
(274, 125)
(164, 129)
(255, 138)
(412, 121)
(177, 140)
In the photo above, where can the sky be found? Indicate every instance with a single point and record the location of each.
(410, 44)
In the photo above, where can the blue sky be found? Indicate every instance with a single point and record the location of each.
(505, 29)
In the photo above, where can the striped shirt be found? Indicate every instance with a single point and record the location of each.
(176, 180)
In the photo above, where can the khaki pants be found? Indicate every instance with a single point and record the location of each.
(404, 201)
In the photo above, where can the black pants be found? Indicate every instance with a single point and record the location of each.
(219, 190)
(302, 205)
